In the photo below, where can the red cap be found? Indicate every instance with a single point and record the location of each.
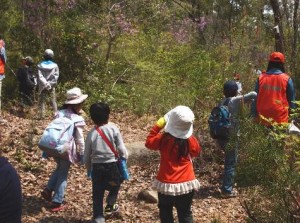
(277, 57)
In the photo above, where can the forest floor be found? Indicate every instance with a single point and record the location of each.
(18, 141)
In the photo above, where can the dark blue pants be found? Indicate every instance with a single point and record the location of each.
(105, 176)
(10, 193)
(229, 170)
(229, 164)
(58, 180)
(182, 203)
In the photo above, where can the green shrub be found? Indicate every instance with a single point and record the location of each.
(268, 173)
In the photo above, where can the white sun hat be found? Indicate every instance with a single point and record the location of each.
(180, 122)
(74, 96)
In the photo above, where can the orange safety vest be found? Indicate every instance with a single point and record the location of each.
(2, 65)
(272, 100)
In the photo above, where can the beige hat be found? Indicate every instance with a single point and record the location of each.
(180, 122)
(28, 60)
(75, 96)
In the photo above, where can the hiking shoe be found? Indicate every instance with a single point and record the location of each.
(99, 220)
(54, 206)
(229, 195)
(46, 194)
(111, 208)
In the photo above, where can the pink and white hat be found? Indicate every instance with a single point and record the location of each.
(74, 96)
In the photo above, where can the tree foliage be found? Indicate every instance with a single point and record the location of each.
(269, 173)
(107, 42)
(149, 56)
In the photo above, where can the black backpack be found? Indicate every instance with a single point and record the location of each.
(219, 121)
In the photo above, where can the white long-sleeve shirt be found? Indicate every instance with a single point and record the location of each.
(48, 73)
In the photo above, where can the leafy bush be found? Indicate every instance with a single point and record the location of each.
(268, 172)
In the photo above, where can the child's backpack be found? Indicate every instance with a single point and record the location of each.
(58, 137)
(219, 121)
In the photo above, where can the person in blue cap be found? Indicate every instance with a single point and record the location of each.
(234, 103)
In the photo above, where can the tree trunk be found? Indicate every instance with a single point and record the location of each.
(295, 37)
(279, 38)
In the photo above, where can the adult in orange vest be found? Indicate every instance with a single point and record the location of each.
(2, 65)
(2, 57)
(275, 93)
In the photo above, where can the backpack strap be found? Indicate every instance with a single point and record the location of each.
(104, 137)
(226, 102)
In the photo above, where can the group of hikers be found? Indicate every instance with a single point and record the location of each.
(45, 80)
(172, 136)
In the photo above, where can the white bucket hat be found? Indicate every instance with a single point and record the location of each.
(74, 96)
(180, 122)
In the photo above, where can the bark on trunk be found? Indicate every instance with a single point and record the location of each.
(279, 38)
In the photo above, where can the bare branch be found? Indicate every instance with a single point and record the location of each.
(118, 78)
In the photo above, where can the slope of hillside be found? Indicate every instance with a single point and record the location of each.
(18, 142)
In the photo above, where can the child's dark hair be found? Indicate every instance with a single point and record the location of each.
(99, 113)
(47, 57)
(276, 65)
(230, 89)
(68, 106)
(29, 63)
(182, 145)
(229, 93)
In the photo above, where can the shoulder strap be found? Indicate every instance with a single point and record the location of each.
(226, 102)
(104, 137)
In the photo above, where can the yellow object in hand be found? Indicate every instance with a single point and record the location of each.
(161, 122)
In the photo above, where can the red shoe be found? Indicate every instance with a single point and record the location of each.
(54, 207)
(47, 194)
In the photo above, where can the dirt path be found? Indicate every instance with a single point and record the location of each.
(18, 142)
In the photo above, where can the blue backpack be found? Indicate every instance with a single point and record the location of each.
(219, 121)
(58, 137)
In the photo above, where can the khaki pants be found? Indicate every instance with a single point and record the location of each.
(43, 98)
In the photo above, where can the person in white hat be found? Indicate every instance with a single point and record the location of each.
(48, 74)
(58, 180)
(175, 181)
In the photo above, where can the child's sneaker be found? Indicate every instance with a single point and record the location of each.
(54, 206)
(233, 193)
(46, 194)
(99, 220)
(111, 208)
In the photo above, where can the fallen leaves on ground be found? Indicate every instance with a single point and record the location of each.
(19, 137)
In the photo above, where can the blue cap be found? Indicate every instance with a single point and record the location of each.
(230, 86)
